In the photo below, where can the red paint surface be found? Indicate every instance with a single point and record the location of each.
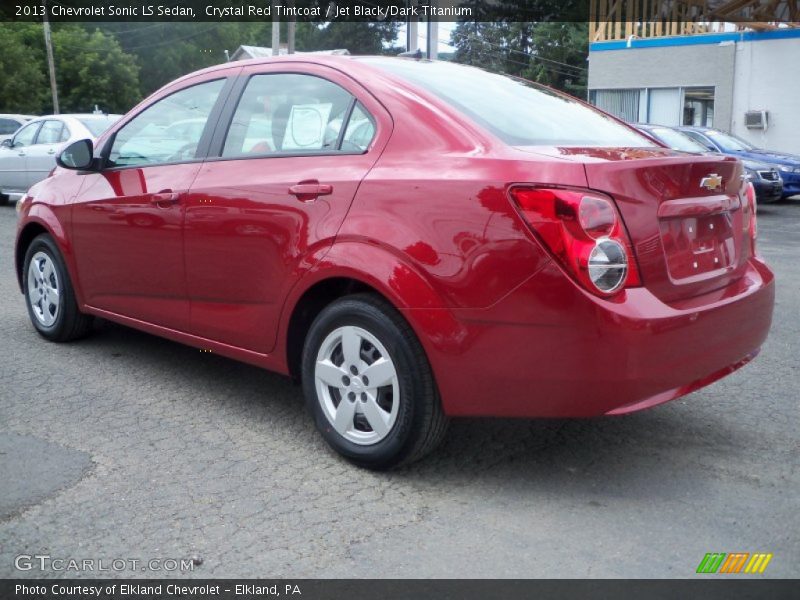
(425, 218)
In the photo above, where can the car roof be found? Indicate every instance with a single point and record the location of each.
(696, 128)
(78, 116)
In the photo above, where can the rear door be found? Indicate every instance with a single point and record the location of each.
(292, 150)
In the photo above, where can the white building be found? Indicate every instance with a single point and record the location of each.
(713, 79)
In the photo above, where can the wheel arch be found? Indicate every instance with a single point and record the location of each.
(41, 219)
(356, 267)
(26, 235)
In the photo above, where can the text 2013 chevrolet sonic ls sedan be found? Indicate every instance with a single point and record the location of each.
(412, 240)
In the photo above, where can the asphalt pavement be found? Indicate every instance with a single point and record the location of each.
(124, 446)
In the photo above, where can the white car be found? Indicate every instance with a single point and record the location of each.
(28, 156)
(10, 123)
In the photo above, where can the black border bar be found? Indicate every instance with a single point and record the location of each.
(730, 588)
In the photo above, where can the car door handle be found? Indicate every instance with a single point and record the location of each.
(310, 190)
(21, 154)
(51, 151)
(165, 198)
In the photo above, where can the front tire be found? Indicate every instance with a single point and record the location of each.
(49, 295)
(369, 386)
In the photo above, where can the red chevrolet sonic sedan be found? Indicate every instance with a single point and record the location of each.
(412, 240)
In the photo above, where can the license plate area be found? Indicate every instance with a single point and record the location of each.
(698, 247)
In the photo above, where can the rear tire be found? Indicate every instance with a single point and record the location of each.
(3, 200)
(49, 295)
(393, 420)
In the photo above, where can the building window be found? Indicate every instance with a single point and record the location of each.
(664, 106)
(623, 104)
(698, 106)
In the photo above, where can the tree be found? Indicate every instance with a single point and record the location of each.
(92, 69)
(357, 37)
(23, 84)
(166, 51)
(553, 53)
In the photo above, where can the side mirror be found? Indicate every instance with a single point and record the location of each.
(6, 143)
(78, 156)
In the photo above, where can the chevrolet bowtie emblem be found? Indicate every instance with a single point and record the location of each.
(712, 182)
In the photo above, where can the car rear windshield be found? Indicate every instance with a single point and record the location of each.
(676, 140)
(97, 125)
(519, 112)
(728, 143)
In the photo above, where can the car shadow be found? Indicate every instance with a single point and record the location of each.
(641, 454)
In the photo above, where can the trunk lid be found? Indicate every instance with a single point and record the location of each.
(684, 214)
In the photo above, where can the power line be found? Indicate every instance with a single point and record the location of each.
(533, 56)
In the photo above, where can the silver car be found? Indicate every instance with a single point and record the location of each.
(30, 155)
(10, 123)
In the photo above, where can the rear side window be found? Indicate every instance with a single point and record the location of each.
(168, 130)
(98, 125)
(360, 130)
(8, 126)
(287, 113)
(518, 112)
(50, 133)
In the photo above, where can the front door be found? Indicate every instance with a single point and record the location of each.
(14, 161)
(41, 157)
(260, 214)
(127, 221)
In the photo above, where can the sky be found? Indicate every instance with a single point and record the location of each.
(445, 29)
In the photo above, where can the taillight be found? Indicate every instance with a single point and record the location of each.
(584, 231)
(751, 200)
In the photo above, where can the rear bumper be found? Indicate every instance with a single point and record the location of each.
(551, 350)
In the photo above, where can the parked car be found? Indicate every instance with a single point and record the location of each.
(29, 155)
(788, 165)
(672, 138)
(765, 178)
(10, 123)
(434, 258)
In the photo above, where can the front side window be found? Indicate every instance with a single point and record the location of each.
(167, 131)
(520, 113)
(50, 133)
(26, 134)
(287, 113)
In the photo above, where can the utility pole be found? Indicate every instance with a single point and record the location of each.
(48, 42)
(276, 29)
(433, 35)
(412, 30)
(291, 27)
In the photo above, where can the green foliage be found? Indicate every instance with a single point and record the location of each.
(23, 84)
(357, 37)
(92, 69)
(113, 65)
(553, 53)
(166, 51)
